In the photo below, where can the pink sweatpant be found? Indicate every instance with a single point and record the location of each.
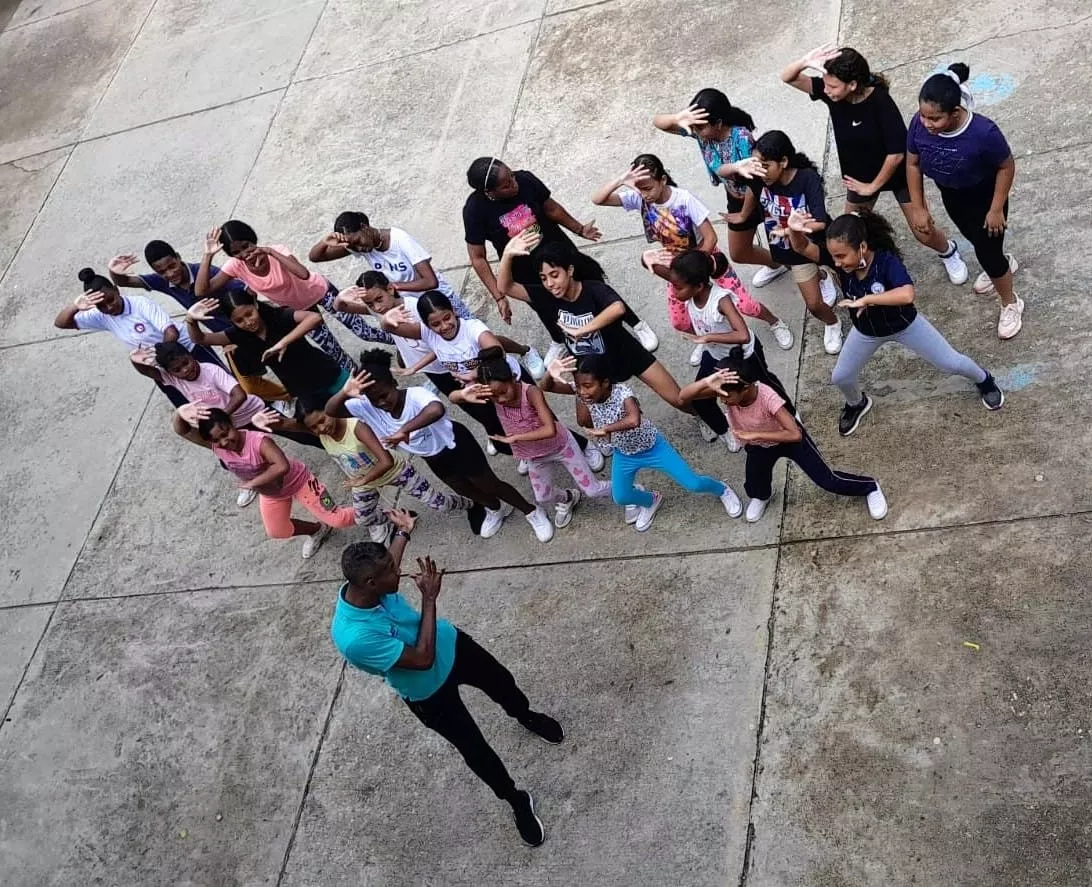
(573, 459)
(680, 317)
(277, 513)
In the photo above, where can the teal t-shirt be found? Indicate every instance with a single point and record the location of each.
(373, 640)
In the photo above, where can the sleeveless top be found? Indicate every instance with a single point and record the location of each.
(248, 464)
(521, 418)
(353, 458)
(708, 320)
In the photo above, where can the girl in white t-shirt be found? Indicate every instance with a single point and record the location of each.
(678, 221)
(415, 420)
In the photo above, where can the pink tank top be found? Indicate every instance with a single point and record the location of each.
(248, 464)
(523, 417)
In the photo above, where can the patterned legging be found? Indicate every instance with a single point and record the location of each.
(357, 325)
(574, 461)
(367, 512)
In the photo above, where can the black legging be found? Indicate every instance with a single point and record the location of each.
(485, 414)
(708, 409)
(967, 207)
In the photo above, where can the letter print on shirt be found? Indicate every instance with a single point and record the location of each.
(592, 344)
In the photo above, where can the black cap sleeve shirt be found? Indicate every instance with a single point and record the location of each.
(498, 221)
(303, 368)
(865, 133)
(887, 272)
(804, 193)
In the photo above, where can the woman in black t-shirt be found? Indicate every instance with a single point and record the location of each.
(870, 136)
(505, 203)
(274, 337)
(572, 294)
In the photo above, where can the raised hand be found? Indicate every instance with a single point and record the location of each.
(267, 420)
(399, 437)
(800, 220)
(353, 293)
(631, 178)
(477, 394)
(750, 168)
(144, 356)
(202, 310)
(87, 301)
(357, 384)
(402, 519)
(657, 256)
(523, 243)
(335, 239)
(121, 264)
(212, 242)
(821, 54)
(691, 117)
(398, 316)
(560, 367)
(865, 189)
(428, 579)
(193, 412)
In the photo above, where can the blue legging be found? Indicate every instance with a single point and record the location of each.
(662, 457)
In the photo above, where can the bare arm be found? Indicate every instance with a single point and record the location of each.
(789, 432)
(607, 194)
(424, 279)
(555, 212)
(277, 466)
(900, 295)
(423, 653)
(867, 189)
(630, 420)
(793, 73)
(202, 285)
(707, 235)
(915, 182)
(545, 417)
(384, 461)
(117, 268)
(330, 248)
(480, 264)
(290, 263)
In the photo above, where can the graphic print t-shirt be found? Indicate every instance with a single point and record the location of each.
(460, 355)
(961, 159)
(865, 133)
(674, 223)
(498, 221)
(396, 263)
(804, 192)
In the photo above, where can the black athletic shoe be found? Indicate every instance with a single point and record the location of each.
(543, 726)
(992, 397)
(529, 825)
(852, 415)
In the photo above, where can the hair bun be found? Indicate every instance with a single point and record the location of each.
(86, 275)
(960, 70)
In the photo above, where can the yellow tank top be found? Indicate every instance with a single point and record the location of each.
(354, 459)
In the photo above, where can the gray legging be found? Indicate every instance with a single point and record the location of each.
(921, 337)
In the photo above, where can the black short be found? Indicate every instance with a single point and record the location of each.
(735, 204)
(465, 459)
(627, 361)
(902, 195)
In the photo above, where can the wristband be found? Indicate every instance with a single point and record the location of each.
(401, 533)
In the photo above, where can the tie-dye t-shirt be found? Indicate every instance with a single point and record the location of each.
(674, 223)
(738, 146)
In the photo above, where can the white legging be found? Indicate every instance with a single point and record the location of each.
(921, 337)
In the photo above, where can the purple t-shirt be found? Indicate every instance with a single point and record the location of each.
(963, 160)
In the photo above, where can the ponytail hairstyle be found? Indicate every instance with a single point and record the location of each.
(855, 229)
(157, 250)
(946, 90)
(493, 366)
(696, 268)
(562, 254)
(94, 283)
(350, 222)
(736, 364)
(371, 279)
(655, 166)
(233, 230)
(851, 66)
(775, 145)
(594, 365)
(166, 352)
(215, 418)
(721, 111)
(232, 299)
(483, 173)
(377, 363)
(431, 302)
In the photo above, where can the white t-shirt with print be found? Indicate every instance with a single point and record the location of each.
(674, 223)
(397, 262)
(427, 441)
(140, 324)
(412, 350)
(460, 355)
(709, 320)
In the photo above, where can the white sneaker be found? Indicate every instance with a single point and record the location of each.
(1011, 320)
(731, 502)
(523, 468)
(646, 336)
(956, 267)
(645, 516)
(832, 338)
(632, 512)
(827, 290)
(734, 446)
(782, 335)
(605, 447)
(554, 352)
(983, 286)
(707, 433)
(533, 361)
(380, 533)
(563, 511)
(755, 509)
(493, 520)
(314, 542)
(490, 449)
(245, 497)
(695, 356)
(541, 524)
(767, 275)
(595, 457)
(877, 504)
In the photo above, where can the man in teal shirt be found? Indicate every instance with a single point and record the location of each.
(425, 659)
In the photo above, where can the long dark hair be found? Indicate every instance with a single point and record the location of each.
(775, 145)
(696, 268)
(868, 228)
(719, 110)
(233, 230)
(564, 255)
(851, 66)
(493, 366)
(655, 167)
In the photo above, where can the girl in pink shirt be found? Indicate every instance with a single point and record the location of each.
(277, 275)
(535, 435)
(761, 421)
(261, 465)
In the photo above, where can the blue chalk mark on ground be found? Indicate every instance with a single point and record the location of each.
(987, 89)
(1017, 377)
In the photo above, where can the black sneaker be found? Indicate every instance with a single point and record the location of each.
(529, 825)
(992, 397)
(852, 415)
(543, 726)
